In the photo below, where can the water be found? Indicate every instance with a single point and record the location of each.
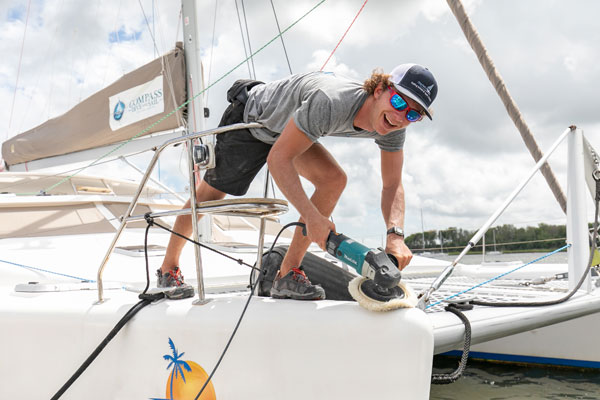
(489, 381)
(486, 381)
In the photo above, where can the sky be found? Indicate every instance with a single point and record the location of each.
(458, 168)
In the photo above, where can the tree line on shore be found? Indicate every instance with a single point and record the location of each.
(506, 238)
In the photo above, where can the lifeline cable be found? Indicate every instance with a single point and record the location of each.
(581, 280)
(47, 271)
(444, 379)
(497, 277)
(149, 218)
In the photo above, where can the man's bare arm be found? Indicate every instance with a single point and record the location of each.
(392, 204)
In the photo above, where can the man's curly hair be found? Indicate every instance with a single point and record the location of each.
(377, 77)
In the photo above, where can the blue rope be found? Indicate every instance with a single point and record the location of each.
(500, 276)
(50, 272)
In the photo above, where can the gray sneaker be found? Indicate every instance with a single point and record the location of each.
(173, 282)
(295, 285)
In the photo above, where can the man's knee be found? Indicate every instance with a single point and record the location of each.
(333, 179)
(340, 179)
(205, 192)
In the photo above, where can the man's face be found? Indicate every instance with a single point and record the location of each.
(386, 118)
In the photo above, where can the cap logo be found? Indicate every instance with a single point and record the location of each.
(426, 90)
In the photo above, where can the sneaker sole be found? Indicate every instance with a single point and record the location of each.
(287, 294)
(179, 293)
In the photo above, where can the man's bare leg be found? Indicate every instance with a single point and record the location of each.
(183, 226)
(320, 168)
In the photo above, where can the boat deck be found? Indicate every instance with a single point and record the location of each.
(463, 288)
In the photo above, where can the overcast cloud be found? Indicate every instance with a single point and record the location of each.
(458, 168)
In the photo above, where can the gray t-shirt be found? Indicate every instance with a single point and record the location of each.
(321, 103)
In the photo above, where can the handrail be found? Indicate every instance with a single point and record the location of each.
(424, 297)
(149, 169)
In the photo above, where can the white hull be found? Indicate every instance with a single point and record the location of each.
(567, 344)
(283, 349)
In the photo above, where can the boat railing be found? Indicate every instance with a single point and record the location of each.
(245, 207)
(577, 234)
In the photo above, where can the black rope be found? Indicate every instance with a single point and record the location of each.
(128, 315)
(146, 299)
(444, 379)
(440, 379)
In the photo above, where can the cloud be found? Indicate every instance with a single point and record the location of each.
(458, 168)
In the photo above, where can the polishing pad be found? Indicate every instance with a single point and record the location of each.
(364, 291)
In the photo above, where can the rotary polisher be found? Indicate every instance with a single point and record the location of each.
(379, 288)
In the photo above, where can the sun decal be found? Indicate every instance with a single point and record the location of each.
(186, 378)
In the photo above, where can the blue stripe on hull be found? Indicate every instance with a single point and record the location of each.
(526, 359)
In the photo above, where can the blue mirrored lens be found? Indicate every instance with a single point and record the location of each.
(413, 116)
(398, 102)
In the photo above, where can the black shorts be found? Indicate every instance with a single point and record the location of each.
(239, 155)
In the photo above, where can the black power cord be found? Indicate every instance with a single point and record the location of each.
(146, 299)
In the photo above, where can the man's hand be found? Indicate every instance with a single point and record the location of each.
(396, 247)
(318, 228)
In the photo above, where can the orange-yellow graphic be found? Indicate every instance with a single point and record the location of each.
(186, 378)
(191, 386)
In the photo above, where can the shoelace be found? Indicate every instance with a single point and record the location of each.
(300, 276)
(177, 277)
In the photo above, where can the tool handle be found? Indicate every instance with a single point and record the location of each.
(393, 259)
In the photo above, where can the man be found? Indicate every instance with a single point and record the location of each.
(296, 112)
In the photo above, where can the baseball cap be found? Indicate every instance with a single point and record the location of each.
(416, 82)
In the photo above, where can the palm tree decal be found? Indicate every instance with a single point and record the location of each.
(176, 363)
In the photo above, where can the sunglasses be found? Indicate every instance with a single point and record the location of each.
(400, 104)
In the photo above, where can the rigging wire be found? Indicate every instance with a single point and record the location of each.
(50, 53)
(184, 104)
(154, 27)
(149, 28)
(281, 36)
(12, 107)
(249, 45)
(212, 47)
(108, 56)
(243, 39)
(344, 35)
(178, 31)
(87, 60)
(165, 66)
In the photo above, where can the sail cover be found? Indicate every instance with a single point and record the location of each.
(114, 114)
